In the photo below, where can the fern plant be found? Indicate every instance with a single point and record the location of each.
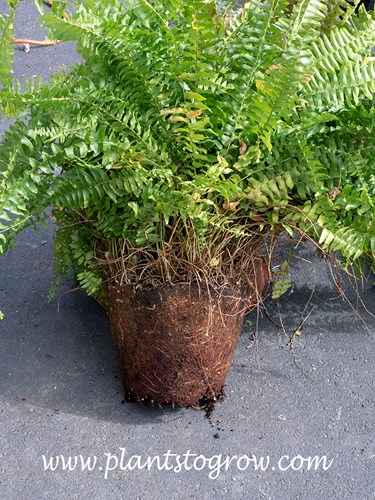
(191, 131)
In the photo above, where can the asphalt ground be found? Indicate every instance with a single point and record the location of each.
(287, 402)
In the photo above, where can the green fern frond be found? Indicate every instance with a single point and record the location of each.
(338, 12)
(6, 47)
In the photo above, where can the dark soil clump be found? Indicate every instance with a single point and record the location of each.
(209, 405)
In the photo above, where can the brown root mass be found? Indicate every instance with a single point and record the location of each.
(175, 343)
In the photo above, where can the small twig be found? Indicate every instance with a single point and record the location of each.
(77, 289)
(42, 43)
(298, 330)
(269, 317)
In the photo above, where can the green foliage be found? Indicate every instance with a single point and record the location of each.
(187, 113)
(281, 281)
(6, 49)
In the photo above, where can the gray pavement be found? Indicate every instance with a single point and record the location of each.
(60, 392)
